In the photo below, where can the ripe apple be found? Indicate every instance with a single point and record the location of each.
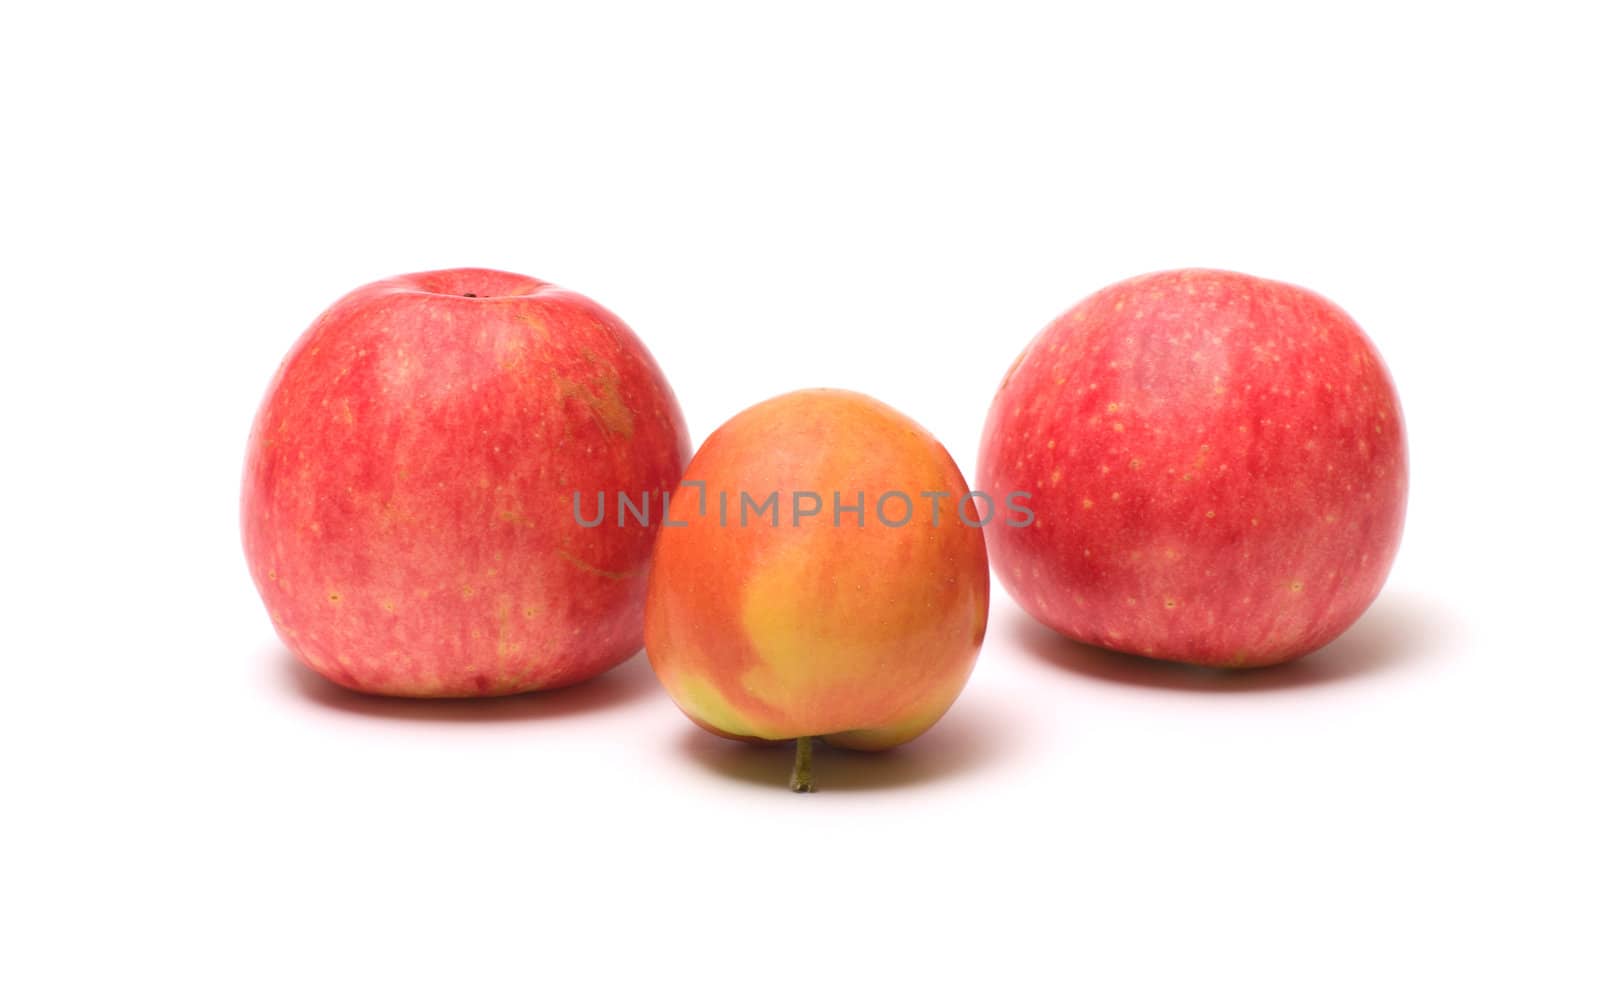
(408, 488)
(1217, 468)
(813, 618)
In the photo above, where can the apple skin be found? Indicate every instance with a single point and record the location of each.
(1217, 464)
(863, 636)
(408, 488)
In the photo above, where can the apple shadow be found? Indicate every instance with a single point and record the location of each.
(968, 737)
(1395, 630)
(626, 683)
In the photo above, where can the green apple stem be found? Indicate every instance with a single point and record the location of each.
(800, 781)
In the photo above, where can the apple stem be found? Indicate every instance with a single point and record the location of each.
(800, 781)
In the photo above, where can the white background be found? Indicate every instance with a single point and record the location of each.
(890, 199)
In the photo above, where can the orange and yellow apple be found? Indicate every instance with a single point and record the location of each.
(820, 573)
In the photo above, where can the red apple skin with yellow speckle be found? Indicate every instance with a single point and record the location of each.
(1217, 466)
(860, 633)
(408, 488)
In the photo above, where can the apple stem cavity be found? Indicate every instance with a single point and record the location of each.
(800, 780)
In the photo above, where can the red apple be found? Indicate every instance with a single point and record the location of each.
(1217, 469)
(408, 501)
(818, 577)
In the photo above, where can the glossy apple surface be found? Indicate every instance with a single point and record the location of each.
(408, 490)
(1217, 464)
(862, 633)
